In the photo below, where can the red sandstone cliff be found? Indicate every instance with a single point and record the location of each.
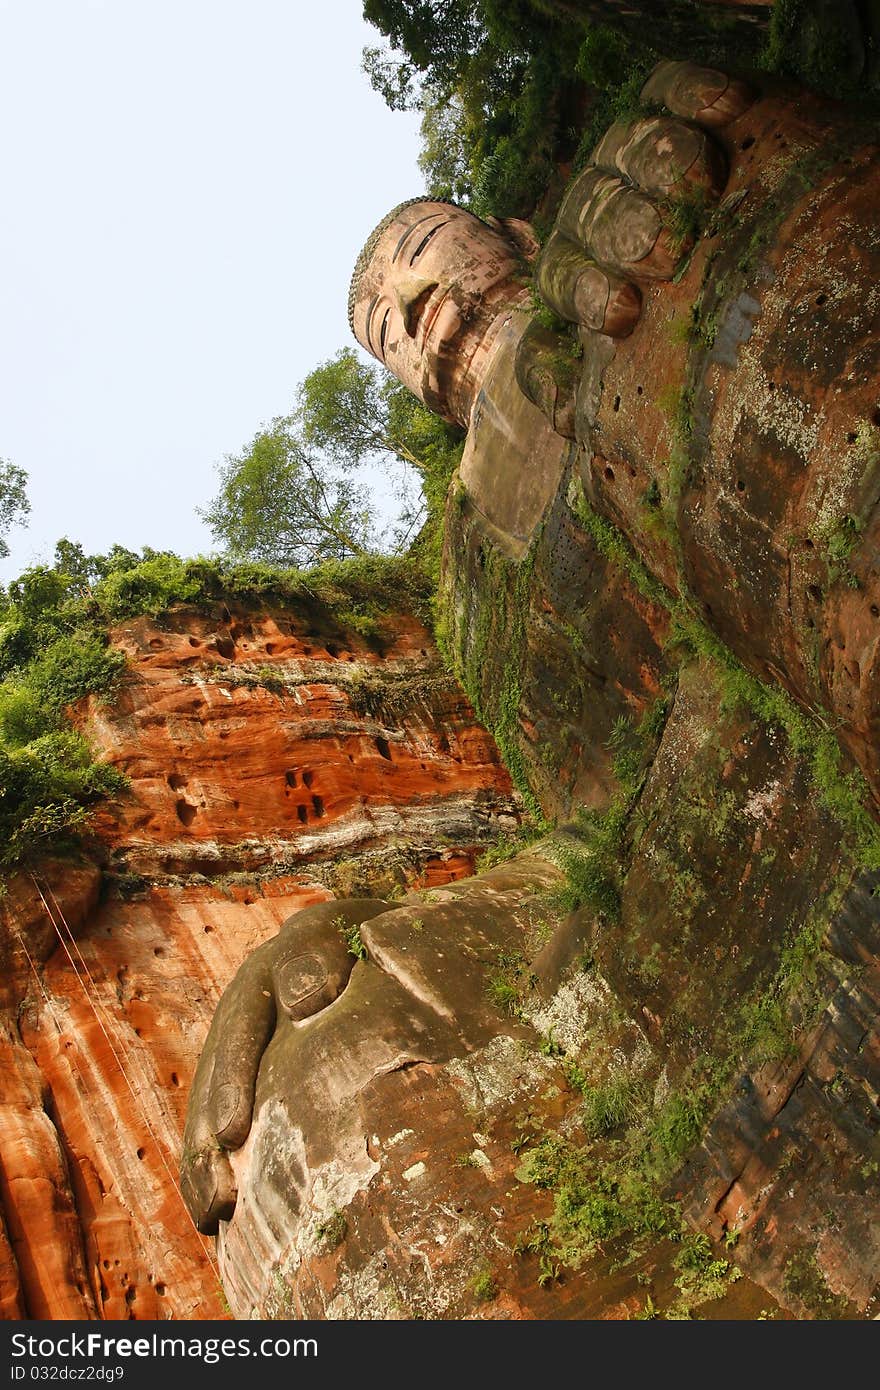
(259, 779)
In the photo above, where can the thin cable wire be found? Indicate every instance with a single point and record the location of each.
(135, 1096)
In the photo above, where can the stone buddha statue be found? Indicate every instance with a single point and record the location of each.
(715, 401)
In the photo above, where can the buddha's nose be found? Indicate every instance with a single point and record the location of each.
(412, 299)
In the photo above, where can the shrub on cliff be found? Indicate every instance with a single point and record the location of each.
(46, 788)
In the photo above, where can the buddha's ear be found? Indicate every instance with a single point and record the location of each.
(412, 296)
(521, 233)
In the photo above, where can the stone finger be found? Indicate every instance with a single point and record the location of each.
(664, 157)
(705, 95)
(208, 1187)
(580, 290)
(619, 227)
(316, 951)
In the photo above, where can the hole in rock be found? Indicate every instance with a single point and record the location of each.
(740, 485)
(208, 928)
(640, 390)
(851, 437)
(194, 641)
(306, 651)
(160, 1290)
(226, 647)
(808, 544)
(810, 623)
(156, 644)
(176, 781)
(302, 814)
(821, 299)
(308, 779)
(158, 950)
(270, 648)
(814, 592)
(106, 1264)
(141, 1153)
(616, 403)
(130, 1294)
(175, 1079)
(318, 804)
(186, 814)
(609, 474)
(383, 748)
(331, 649)
(748, 142)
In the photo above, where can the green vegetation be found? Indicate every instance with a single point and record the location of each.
(686, 216)
(488, 657)
(615, 73)
(608, 1107)
(51, 655)
(804, 1279)
(509, 844)
(509, 89)
(508, 982)
(332, 1231)
(484, 1286)
(842, 791)
(839, 539)
(611, 1189)
(288, 500)
(351, 935)
(592, 856)
(496, 85)
(825, 46)
(14, 504)
(279, 503)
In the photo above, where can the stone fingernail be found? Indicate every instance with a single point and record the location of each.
(226, 1105)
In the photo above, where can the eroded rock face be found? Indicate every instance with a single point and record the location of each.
(274, 758)
(682, 483)
(406, 1139)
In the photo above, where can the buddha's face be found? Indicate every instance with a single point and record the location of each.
(425, 302)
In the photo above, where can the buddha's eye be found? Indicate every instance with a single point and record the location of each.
(383, 331)
(424, 241)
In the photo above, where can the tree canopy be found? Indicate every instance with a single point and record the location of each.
(279, 502)
(291, 498)
(14, 504)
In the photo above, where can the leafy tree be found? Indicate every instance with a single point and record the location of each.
(280, 503)
(351, 410)
(354, 412)
(14, 505)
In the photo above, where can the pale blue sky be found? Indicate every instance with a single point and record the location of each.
(185, 187)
